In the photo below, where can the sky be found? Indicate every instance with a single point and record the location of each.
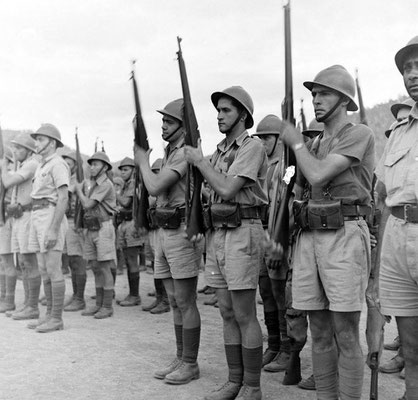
(69, 62)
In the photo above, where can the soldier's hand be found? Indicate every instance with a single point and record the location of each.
(194, 155)
(141, 155)
(373, 241)
(290, 135)
(273, 264)
(50, 239)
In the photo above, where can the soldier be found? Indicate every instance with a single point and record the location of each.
(236, 175)
(8, 273)
(99, 247)
(74, 242)
(20, 181)
(397, 175)
(48, 223)
(272, 280)
(331, 260)
(177, 260)
(128, 238)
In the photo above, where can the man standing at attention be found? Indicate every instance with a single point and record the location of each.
(236, 175)
(331, 263)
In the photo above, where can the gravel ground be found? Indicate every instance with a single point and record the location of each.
(114, 359)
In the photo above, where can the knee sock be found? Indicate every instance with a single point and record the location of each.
(10, 289)
(25, 282)
(48, 296)
(351, 371)
(107, 298)
(74, 280)
(235, 363)
(252, 360)
(133, 278)
(81, 285)
(271, 319)
(2, 287)
(99, 297)
(34, 289)
(113, 272)
(325, 369)
(58, 295)
(178, 330)
(191, 341)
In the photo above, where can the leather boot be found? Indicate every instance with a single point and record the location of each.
(293, 375)
(48, 295)
(9, 298)
(99, 301)
(106, 310)
(55, 323)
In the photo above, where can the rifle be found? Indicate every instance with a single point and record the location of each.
(78, 208)
(103, 149)
(302, 116)
(194, 210)
(363, 118)
(2, 188)
(279, 231)
(140, 202)
(374, 366)
(95, 144)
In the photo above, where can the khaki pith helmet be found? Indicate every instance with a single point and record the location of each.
(101, 156)
(408, 104)
(241, 95)
(404, 52)
(127, 162)
(71, 155)
(314, 129)
(173, 109)
(269, 125)
(25, 140)
(50, 131)
(336, 78)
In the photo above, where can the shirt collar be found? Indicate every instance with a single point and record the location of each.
(223, 146)
(171, 146)
(414, 112)
(49, 158)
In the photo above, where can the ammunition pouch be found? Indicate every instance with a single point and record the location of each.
(123, 215)
(225, 215)
(207, 219)
(151, 218)
(264, 215)
(300, 214)
(14, 210)
(169, 217)
(92, 222)
(325, 214)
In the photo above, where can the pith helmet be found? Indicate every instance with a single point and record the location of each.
(8, 154)
(314, 129)
(269, 125)
(156, 165)
(404, 52)
(24, 140)
(71, 155)
(101, 156)
(336, 78)
(239, 94)
(173, 109)
(127, 162)
(408, 104)
(50, 131)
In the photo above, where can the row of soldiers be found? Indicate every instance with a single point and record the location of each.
(328, 262)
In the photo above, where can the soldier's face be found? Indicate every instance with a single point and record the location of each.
(171, 129)
(97, 166)
(20, 152)
(227, 114)
(126, 173)
(42, 144)
(410, 75)
(323, 99)
(269, 142)
(70, 162)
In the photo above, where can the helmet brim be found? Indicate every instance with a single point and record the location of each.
(402, 54)
(59, 143)
(352, 106)
(98, 159)
(164, 112)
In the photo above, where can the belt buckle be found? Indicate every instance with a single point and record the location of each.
(406, 208)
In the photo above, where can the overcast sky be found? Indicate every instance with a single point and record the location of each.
(69, 62)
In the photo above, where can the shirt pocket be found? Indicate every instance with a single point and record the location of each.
(396, 169)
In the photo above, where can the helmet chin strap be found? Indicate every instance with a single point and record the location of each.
(328, 114)
(43, 148)
(235, 122)
(99, 173)
(173, 133)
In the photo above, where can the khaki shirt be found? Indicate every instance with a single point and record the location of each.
(174, 160)
(103, 191)
(128, 191)
(21, 192)
(51, 174)
(398, 166)
(250, 162)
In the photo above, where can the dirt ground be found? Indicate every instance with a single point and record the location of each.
(114, 359)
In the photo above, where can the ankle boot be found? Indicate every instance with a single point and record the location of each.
(293, 376)
(106, 310)
(99, 301)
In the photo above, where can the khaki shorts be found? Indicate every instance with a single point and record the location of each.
(234, 256)
(100, 245)
(40, 223)
(127, 235)
(331, 268)
(398, 285)
(175, 256)
(6, 237)
(20, 233)
(74, 240)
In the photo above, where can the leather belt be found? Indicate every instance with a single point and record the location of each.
(407, 212)
(38, 204)
(355, 210)
(251, 212)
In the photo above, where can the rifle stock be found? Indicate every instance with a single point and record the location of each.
(78, 209)
(2, 188)
(140, 200)
(194, 210)
(363, 117)
(374, 366)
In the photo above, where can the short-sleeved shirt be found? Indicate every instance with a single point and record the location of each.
(103, 191)
(398, 166)
(51, 174)
(174, 160)
(128, 191)
(352, 186)
(22, 192)
(249, 161)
